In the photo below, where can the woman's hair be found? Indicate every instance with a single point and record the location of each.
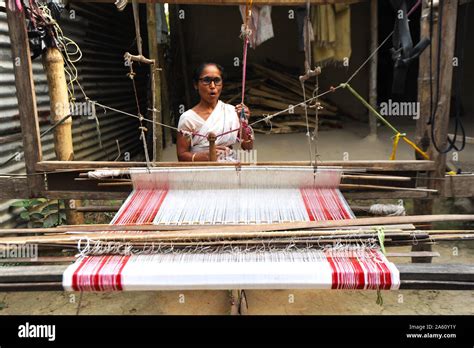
(201, 67)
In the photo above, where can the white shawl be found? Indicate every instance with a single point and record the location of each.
(222, 119)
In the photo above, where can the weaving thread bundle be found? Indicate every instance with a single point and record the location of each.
(226, 196)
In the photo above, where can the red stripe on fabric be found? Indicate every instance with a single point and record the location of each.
(160, 202)
(324, 206)
(118, 277)
(119, 220)
(343, 207)
(359, 273)
(306, 204)
(96, 277)
(334, 274)
(75, 276)
(386, 276)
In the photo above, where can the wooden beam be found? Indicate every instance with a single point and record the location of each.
(156, 83)
(461, 185)
(165, 99)
(250, 228)
(446, 272)
(410, 165)
(25, 93)
(93, 195)
(448, 35)
(14, 188)
(374, 42)
(370, 195)
(98, 195)
(423, 130)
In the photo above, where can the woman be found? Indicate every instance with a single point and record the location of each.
(211, 115)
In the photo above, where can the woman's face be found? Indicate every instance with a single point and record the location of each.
(209, 85)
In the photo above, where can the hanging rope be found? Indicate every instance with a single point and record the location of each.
(245, 35)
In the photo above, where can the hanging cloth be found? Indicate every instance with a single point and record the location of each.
(332, 31)
(260, 24)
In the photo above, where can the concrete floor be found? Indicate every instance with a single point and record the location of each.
(333, 145)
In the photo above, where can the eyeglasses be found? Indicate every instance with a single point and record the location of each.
(208, 80)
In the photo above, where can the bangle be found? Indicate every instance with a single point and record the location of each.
(192, 159)
(247, 141)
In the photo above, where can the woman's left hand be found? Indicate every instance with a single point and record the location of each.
(238, 109)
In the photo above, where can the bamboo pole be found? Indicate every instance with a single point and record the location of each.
(373, 65)
(60, 111)
(156, 83)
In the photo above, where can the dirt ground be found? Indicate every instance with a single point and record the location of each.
(350, 142)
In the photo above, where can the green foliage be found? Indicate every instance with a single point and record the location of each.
(40, 212)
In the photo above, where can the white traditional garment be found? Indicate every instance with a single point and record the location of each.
(222, 119)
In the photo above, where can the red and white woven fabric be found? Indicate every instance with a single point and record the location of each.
(259, 197)
(309, 269)
(179, 198)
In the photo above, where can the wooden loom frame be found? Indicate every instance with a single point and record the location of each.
(41, 181)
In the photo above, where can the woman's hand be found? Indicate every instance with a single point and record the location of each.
(222, 151)
(238, 109)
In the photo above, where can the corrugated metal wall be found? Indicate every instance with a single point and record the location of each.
(103, 34)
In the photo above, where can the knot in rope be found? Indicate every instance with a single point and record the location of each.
(245, 31)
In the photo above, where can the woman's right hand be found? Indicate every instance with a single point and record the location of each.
(222, 151)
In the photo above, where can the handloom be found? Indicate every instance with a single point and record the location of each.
(249, 195)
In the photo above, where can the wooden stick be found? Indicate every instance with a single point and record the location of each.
(173, 236)
(138, 58)
(111, 184)
(376, 177)
(375, 165)
(84, 177)
(41, 260)
(372, 221)
(212, 147)
(389, 188)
